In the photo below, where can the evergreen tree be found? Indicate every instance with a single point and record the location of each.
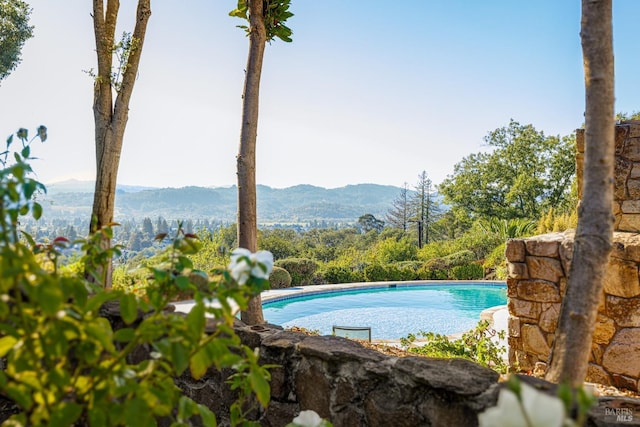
(425, 208)
(161, 226)
(400, 212)
(147, 228)
(135, 242)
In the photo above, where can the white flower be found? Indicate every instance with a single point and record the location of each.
(308, 419)
(245, 264)
(540, 410)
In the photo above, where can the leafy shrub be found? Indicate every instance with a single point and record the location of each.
(428, 273)
(409, 269)
(476, 345)
(375, 273)
(63, 362)
(279, 278)
(497, 262)
(337, 274)
(467, 272)
(459, 258)
(300, 269)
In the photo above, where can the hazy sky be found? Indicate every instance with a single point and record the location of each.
(370, 91)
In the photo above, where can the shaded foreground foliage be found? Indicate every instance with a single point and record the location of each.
(63, 361)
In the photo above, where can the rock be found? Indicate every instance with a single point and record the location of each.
(623, 354)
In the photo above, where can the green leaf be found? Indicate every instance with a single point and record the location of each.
(50, 297)
(137, 413)
(6, 344)
(128, 308)
(100, 330)
(185, 262)
(65, 414)
(100, 298)
(179, 356)
(196, 320)
(182, 282)
(25, 152)
(36, 210)
(199, 363)
(124, 335)
(208, 417)
(97, 417)
(260, 386)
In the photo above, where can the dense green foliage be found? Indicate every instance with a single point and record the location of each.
(64, 364)
(276, 13)
(525, 173)
(14, 32)
(279, 278)
(300, 269)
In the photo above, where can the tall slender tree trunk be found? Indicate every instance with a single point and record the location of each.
(111, 119)
(593, 241)
(246, 160)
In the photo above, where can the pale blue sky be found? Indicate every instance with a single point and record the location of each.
(368, 92)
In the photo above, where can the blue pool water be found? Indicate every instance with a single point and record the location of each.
(391, 312)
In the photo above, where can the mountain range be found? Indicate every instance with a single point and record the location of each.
(293, 205)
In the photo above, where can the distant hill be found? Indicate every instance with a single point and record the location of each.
(298, 204)
(77, 186)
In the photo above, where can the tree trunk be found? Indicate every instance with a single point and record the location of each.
(246, 160)
(111, 119)
(593, 241)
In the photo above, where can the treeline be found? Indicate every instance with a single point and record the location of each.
(523, 185)
(457, 230)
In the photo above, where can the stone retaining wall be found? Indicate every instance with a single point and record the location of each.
(353, 386)
(536, 284)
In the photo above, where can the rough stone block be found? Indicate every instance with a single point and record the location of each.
(596, 353)
(545, 245)
(313, 388)
(633, 191)
(623, 354)
(515, 250)
(534, 341)
(621, 174)
(517, 270)
(549, 318)
(538, 290)
(521, 308)
(622, 278)
(624, 382)
(597, 375)
(630, 151)
(549, 269)
(626, 246)
(525, 361)
(605, 329)
(624, 311)
(629, 222)
(513, 326)
(566, 253)
(631, 206)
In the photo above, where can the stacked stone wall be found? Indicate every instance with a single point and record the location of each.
(537, 279)
(538, 270)
(626, 198)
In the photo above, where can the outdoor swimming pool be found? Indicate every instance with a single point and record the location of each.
(392, 311)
